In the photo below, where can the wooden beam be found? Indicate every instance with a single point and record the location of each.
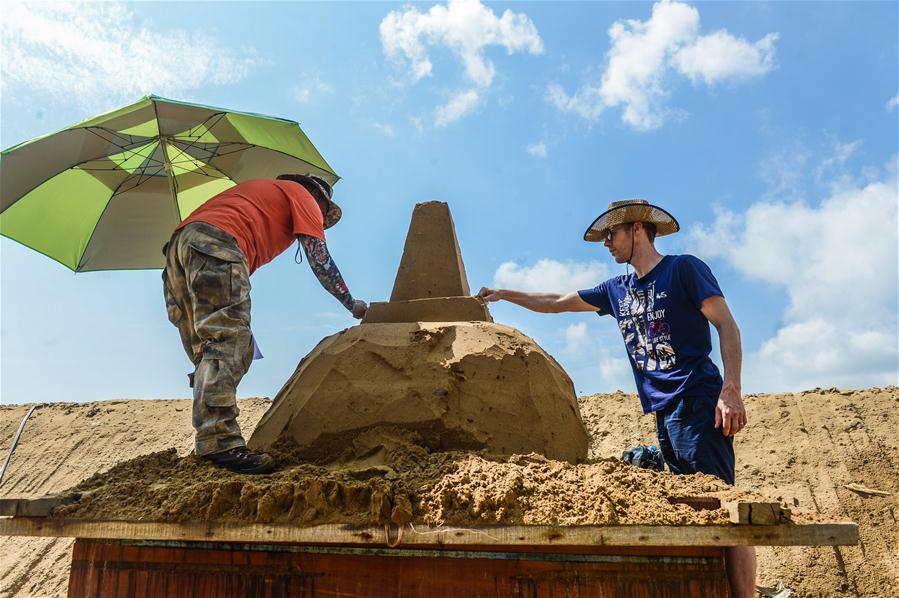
(754, 512)
(814, 534)
(33, 507)
(697, 503)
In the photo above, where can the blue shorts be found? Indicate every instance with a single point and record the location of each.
(689, 440)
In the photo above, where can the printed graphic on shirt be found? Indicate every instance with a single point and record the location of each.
(646, 333)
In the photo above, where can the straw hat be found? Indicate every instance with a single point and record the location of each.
(631, 210)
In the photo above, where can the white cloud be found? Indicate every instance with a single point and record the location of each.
(459, 105)
(466, 28)
(719, 56)
(596, 351)
(576, 337)
(99, 55)
(785, 171)
(550, 276)
(893, 102)
(617, 372)
(387, 129)
(537, 149)
(837, 262)
(643, 54)
(833, 166)
(310, 88)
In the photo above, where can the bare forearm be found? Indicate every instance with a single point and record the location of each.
(545, 303)
(731, 353)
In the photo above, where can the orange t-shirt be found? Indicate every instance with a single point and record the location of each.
(264, 215)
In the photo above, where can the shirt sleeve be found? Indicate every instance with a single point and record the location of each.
(307, 217)
(697, 280)
(598, 297)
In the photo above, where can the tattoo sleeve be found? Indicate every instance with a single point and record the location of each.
(325, 269)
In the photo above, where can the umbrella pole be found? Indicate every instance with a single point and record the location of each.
(167, 164)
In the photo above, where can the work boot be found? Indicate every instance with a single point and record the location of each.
(242, 460)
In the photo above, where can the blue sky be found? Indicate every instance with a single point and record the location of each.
(768, 129)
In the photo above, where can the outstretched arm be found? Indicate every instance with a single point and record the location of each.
(546, 303)
(730, 413)
(328, 275)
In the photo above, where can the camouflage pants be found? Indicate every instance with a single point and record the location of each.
(207, 294)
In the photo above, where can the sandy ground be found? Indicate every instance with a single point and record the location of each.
(804, 446)
(800, 447)
(62, 444)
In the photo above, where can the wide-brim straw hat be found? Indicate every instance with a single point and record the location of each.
(631, 210)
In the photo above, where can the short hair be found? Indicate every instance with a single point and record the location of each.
(651, 230)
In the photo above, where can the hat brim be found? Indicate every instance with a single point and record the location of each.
(635, 212)
(334, 214)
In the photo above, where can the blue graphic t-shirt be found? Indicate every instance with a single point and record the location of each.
(667, 338)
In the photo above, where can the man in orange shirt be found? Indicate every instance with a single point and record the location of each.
(206, 281)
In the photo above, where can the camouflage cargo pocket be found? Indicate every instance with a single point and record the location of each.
(210, 282)
(171, 306)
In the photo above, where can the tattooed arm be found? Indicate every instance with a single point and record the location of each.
(328, 275)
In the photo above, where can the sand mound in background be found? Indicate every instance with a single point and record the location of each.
(64, 443)
(797, 445)
(803, 448)
(434, 379)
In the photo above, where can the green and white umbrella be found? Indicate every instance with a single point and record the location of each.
(106, 193)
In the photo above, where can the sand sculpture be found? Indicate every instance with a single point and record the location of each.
(430, 361)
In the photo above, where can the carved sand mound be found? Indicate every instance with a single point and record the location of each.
(465, 385)
(431, 361)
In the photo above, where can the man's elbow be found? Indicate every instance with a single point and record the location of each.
(728, 326)
(560, 304)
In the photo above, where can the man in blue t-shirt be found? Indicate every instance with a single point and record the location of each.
(663, 310)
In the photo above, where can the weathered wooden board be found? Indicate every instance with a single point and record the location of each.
(125, 569)
(33, 507)
(817, 534)
(753, 513)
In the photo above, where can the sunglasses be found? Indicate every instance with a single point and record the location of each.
(610, 233)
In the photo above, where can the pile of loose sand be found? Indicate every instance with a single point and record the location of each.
(395, 478)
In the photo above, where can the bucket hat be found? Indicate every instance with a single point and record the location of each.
(333, 213)
(631, 210)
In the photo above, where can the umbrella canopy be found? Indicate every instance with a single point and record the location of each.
(106, 193)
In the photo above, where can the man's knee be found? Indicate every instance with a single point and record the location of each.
(696, 446)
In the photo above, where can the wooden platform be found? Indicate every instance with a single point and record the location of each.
(134, 559)
(817, 534)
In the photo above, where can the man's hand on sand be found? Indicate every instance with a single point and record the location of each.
(359, 309)
(730, 414)
(489, 295)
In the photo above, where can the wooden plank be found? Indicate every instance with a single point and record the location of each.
(363, 572)
(815, 534)
(697, 503)
(33, 507)
(858, 488)
(753, 512)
